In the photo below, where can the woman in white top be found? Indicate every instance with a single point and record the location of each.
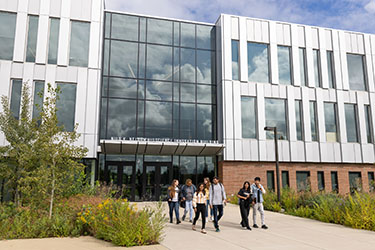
(173, 201)
(199, 204)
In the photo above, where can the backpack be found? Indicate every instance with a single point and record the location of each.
(221, 187)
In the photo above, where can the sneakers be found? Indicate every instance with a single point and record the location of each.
(203, 231)
(264, 227)
(212, 218)
(170, 221)
(248, 228)
(178, 222)
(190, 221)
(217, 230)
(255, 226)
(193, 227)
(183, 217)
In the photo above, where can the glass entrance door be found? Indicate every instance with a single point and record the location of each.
(122, 176)
(157, 176)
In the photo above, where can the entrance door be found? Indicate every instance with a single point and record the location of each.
(157, 176)
(122, 176)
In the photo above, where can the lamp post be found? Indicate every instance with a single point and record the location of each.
(274, 129)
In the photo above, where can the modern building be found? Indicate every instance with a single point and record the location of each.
(159, 98)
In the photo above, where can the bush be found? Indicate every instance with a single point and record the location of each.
(233, 199)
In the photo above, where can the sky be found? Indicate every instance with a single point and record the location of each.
(354, 15)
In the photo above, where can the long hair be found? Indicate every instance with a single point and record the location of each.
(208, 184)
(248, 183)
(198, 189)
(172, 188)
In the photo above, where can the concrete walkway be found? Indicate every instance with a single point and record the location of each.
(285, 232)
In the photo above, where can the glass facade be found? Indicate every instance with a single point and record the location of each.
(235, 60)
(299, 123)
(79, 44)
(285, 65)
(368, 119)
(15, 98)
(275, 110)
(302, 66)
(351, 122)
(331, 73)
(313, 121)
(258, 63)
(356, 72)
(66, 105)
(32, 36)
(54, 29)
(330, 122)
(7, 33)
(317, 75)
(248, 117)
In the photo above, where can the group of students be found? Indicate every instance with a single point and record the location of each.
(213, 196)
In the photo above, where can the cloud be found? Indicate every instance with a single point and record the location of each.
(356, 15)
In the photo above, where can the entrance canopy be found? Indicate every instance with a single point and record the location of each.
(160, 148)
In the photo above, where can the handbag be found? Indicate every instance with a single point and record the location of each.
(182, 204)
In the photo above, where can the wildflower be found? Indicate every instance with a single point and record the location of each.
(83, 219)
(106, 218)
(100, 206)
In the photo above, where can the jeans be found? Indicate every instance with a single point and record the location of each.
(173, 205)
(211, 210)
(201, 209)
(189, 208)
(244, 209)
(217, 208)
(259, 207)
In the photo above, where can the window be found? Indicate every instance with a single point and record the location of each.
(285, 179)
(356, 72)
(121, 121)
(330, 121)
(159, 31)
(38, 98)
(159, 64)
(187, 68)
(351, 123)
(275, 110)
(205, 74)
(188, 35)
(32, 36)
(371, 181)
(258, 65)
(271, 180)
(158, 121)
(54, 29)
(187, 121)
(79, 44)
(284, 60)
(248, 113)
(303, 180)
(124, 27)
(205, 37)
(368, 119)
(331, 74)
(15, 99)
(7, 33)
(299, 126)
(235, 60)
(317, 75)
(66, 105)
(321, 183)
(355, 181)
(334, 181)
(303, 66)
(313, 121)
(123, 60)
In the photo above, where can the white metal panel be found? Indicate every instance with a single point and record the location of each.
(44, 7)
(262, 150)
(372, 116)
(297, 93)
(284, 150)
(244, 89)
(243, 50)
(250, 29)
(257, 30)
(341, 126)
(5, 74)
(296, 66)
(272, 31)
(55, 8)
(348, 153)
(28, 73)
(332, 95)
(270, 147)
(306, 114)
(229, 150)
(369, 64)
(361, 122)
(81, 101)
(227, 51)
(327, 152)
(287, 35)
(41, 47)
(348, 41)
(96, 10)
(360, 42)
(282, 91)
(279, 33)
(337, 151)
(86, 5)
(260, 112)
(228, 109)
(310, 67)
(246, 150)
(20, 37)
(50, 75)
(62, 74)
(354, 43)
(372, 41)
(94, 51)
(237, 149)
(344, 66)
(234, 28)
(254, 152)
(267, 90)
(337, 66)
(368, 153)
(297, 151)
(324, 68)
(76, 9)
(65, 8)
(90, 142)
(301, 36)
(291, 114)
(34, 7)
(23, 5)
(320, 115)
(17, 70)
(265, 32)
(315, 38)
(9, 5)
(63, 50)
(72, 74)
(294, 34)
(39, 72)
(312, 152)
(252, 89)
(328, 39)
(275, 91)
(237, 112)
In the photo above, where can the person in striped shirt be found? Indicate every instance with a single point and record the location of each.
(199, 204)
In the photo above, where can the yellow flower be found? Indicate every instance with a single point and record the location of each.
(100, 206)
(106, 219)
(79, 214)
(83, 219)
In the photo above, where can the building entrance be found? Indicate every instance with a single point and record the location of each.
(157, 176)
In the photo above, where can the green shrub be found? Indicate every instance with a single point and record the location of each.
(233, 199)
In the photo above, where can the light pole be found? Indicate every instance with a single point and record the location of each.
(274, 129)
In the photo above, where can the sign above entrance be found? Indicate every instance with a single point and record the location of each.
(185, 147)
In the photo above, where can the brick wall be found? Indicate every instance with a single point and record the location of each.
(234, 173)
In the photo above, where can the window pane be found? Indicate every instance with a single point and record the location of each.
(302, 65)
(283, 55)
(205, 37)
(158, 123)
(31, 39)
(79, 44)
(125, 27)
(356, 72)
(159, 31)
(248, 117)
(121, 118)
(187, 92)
(206, 167)
(205, 94)
(106, 58)
(298, 112)
(355, 181)
(285, 179)
(351, 122)
(161, 91)
(176, 120)
(103, 118)
(124, 59)
(371, 183)
(15, 99)
(276, 117)
(119, 87)
(330, 65)
(107, 27)
(66, 105)
(330, 122)
(159, 62)
(53, 45)
(38, 98)
(368, 119)
(313, 122)
(187, 122)
(235, 60)
(321, 183)
(316, 68)
(176, 34)
(270, 180)
(303, 181)
(7, 32)
(204, 59)
(334, 181)
(187, 68)
(204, 122)
(188, 169)
(188, 35)
(257, 59)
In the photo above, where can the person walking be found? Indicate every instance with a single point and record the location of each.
(199, 204)
(173, 201)
(258, 190)
(245, 201)
(188, 191)
(217, 200)
(207, 185)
